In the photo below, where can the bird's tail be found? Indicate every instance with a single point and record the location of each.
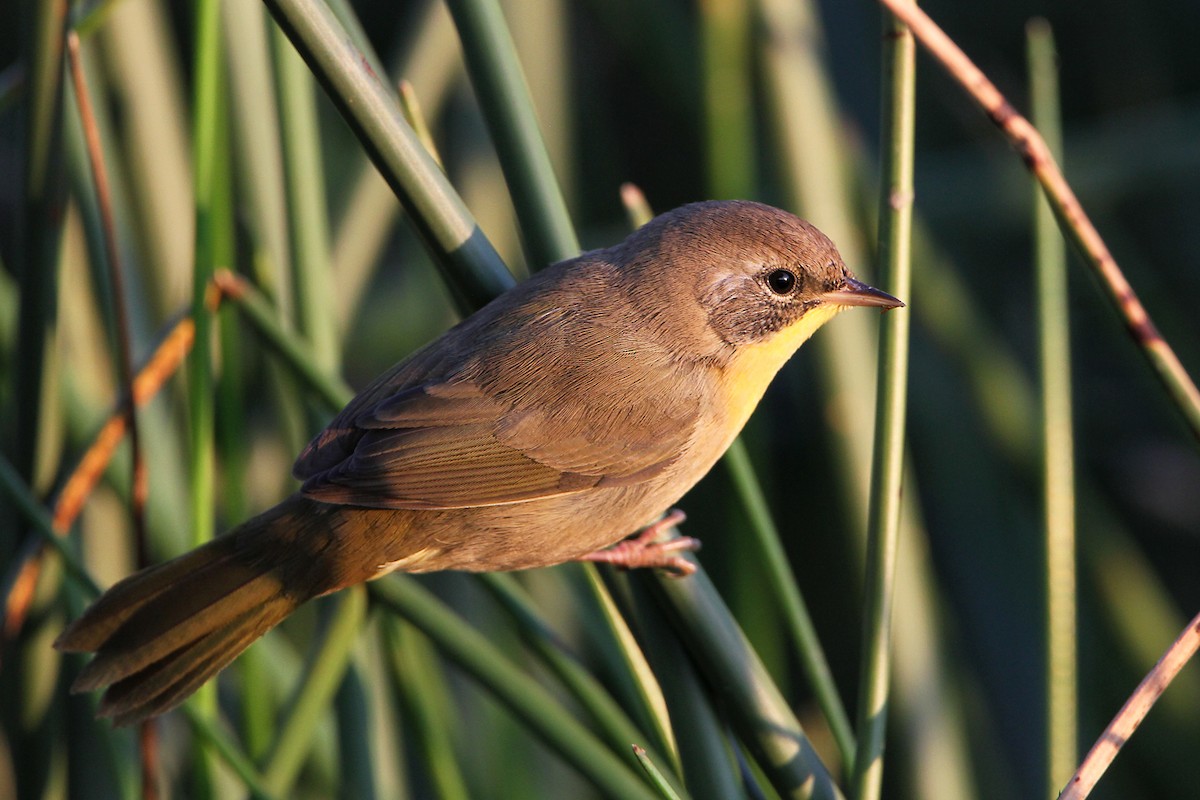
(162, 632)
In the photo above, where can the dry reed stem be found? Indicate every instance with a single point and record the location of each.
(1037, 157)
(1132, 713)
(164, 363)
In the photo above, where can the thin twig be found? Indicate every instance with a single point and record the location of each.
(1133, 712)
(91, 134)
(146, 384)
(1071, 216)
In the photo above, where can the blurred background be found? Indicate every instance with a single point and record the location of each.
(776, 100)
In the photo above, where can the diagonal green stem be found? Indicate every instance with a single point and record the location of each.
(615, 724)
(204, 729)
(883, 529)
(786, 590)
(512, 686)
(320, 682)
(756, 707)
(471, 266)
(19, 494)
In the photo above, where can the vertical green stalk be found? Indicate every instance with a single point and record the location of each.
(504, 97)
(307, 216)
(725, 39)
(255, 129)
(883, 529)
(1054, 357)
(206, 135)
(41, 230)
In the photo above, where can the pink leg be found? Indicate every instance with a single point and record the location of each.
(643, 550)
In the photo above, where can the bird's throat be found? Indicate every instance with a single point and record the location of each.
(750, 371)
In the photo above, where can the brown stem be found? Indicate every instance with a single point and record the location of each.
(1071, 216)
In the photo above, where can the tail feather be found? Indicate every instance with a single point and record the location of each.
(126, 597)
(166, 683)
(158, 631)
(161, 633)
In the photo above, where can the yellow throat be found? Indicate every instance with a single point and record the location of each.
(750, 371)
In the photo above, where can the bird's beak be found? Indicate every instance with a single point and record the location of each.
(857, 293)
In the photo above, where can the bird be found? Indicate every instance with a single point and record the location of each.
(551, 424)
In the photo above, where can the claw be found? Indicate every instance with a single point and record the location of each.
(643, 550)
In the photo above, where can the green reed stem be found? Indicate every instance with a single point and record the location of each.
(786, 590)
(508, 109)
(756, 707)
(613, 722)
(523, 695)
(883, 527)
(206, 151)
(1057, 439)
(473, 270)
(308, 218)
(317, 688)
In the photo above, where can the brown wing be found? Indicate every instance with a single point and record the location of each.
(452, 446)
(550, 400)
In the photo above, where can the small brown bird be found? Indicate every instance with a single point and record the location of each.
(558, 419)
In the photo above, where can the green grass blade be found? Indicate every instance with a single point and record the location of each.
(21, 497)
(207, 144)
(728, 93)
(614, 723)
(330, 388)
(357, 754)
(258, 148)
(786, 593)
(705, 753)
(207, 732)
(366, 219)
(41, 231)
(657, 780)
(312, 279)
(425, 700)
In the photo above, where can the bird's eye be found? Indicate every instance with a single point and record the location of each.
(782, 281)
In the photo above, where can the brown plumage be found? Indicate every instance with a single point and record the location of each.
(555, 421)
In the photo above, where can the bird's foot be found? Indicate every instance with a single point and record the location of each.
(644, 549)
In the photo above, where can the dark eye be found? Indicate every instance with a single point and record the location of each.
(782, 281)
